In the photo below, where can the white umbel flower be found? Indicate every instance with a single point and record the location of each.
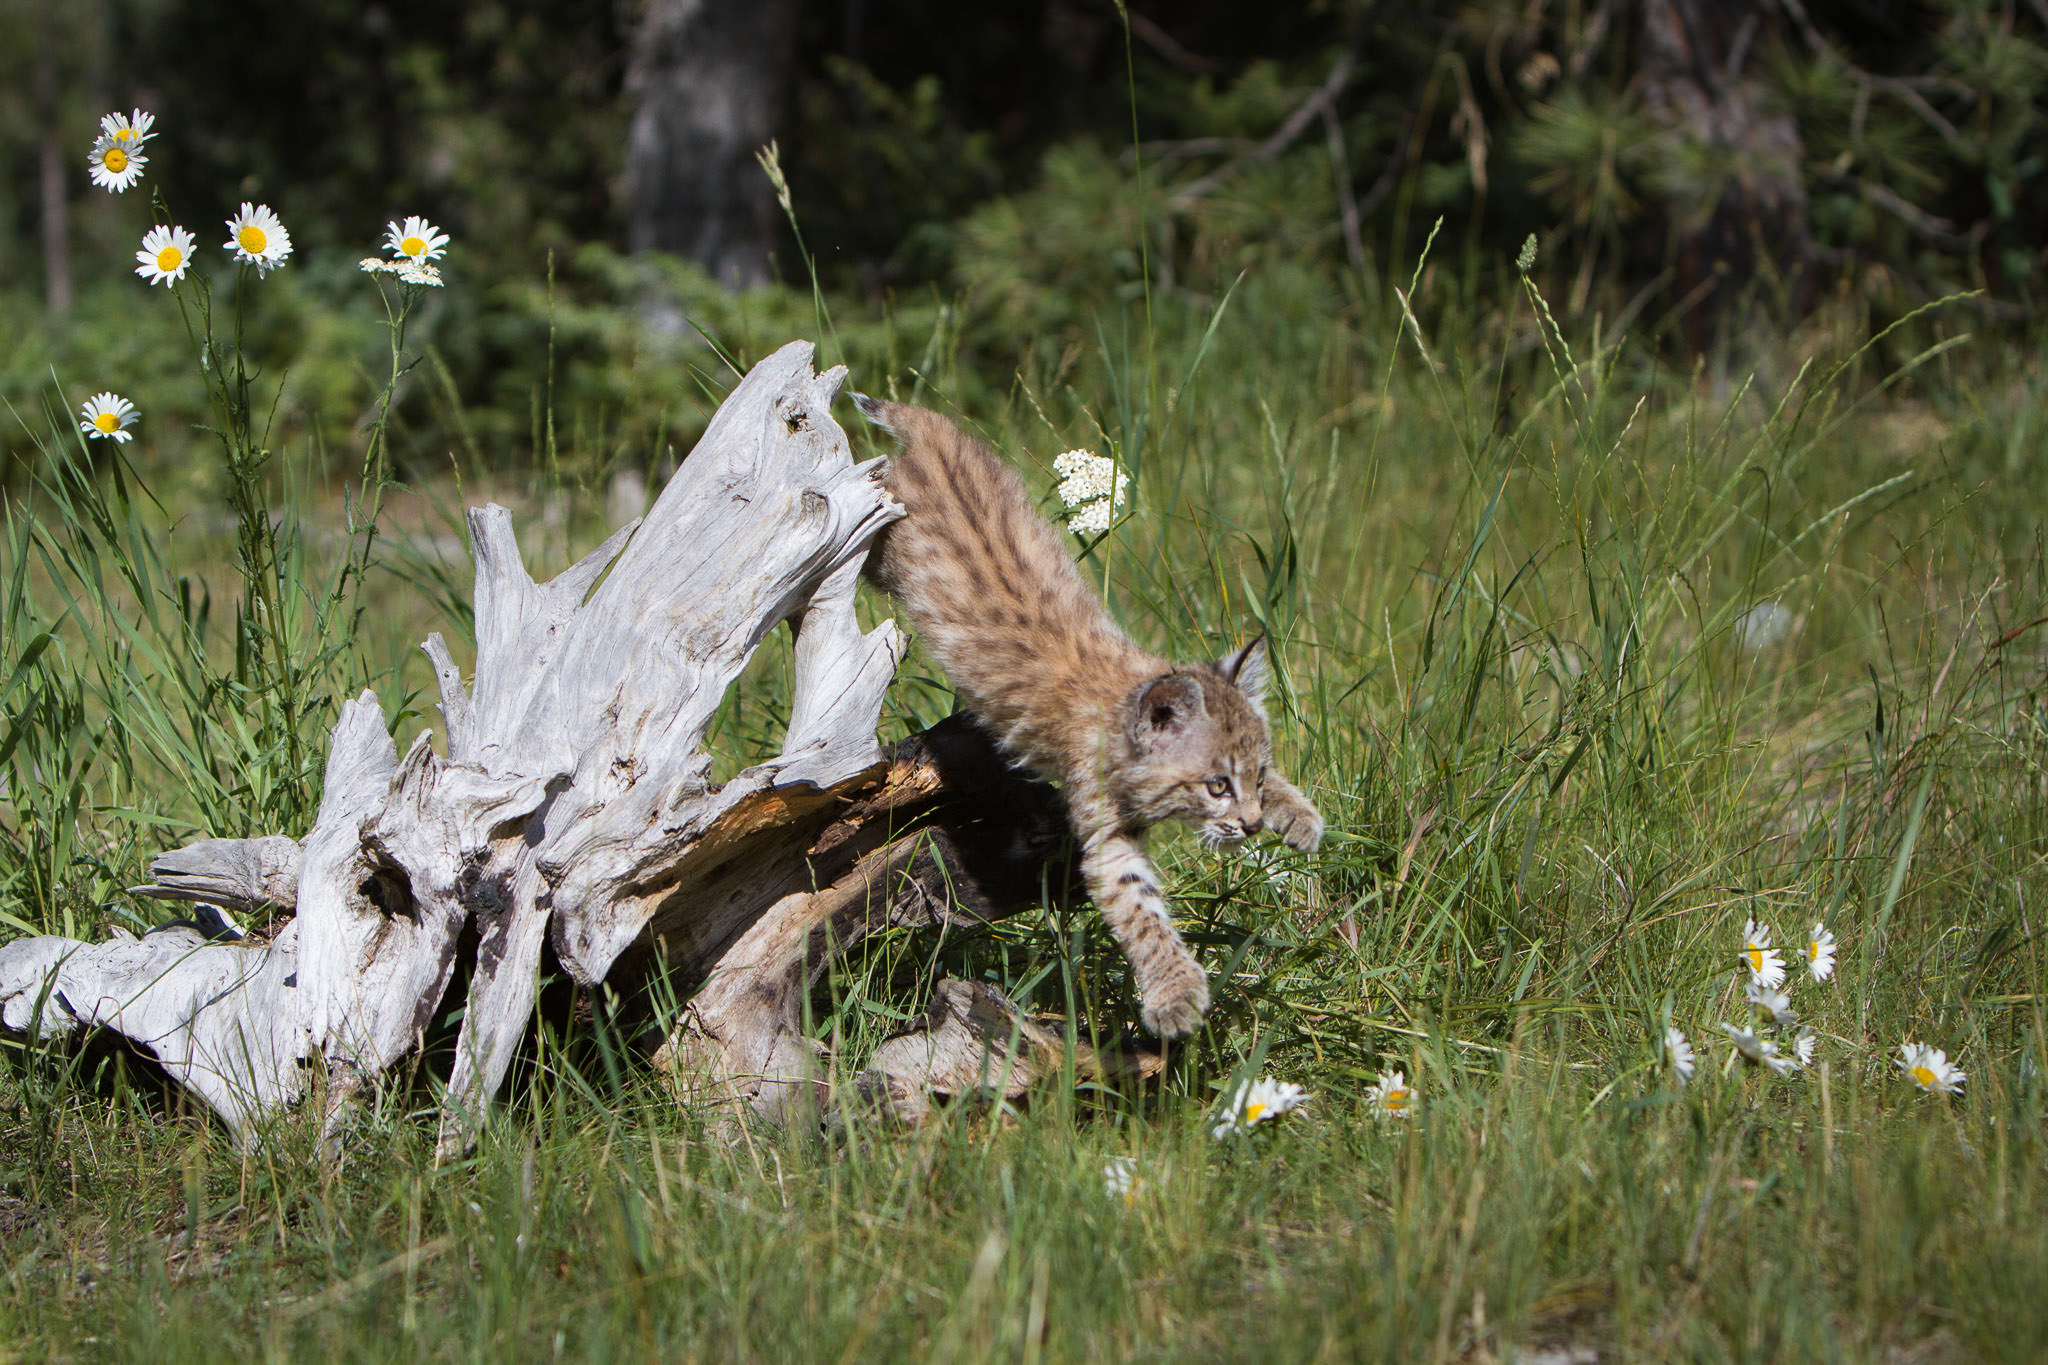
(377, 265)
(1819, 953)
(165, 254)
(107, 417)
(1392, 1097)
(1678, 1055)
(115, 164)
(1093, 487)
(1759, 1051)
(1776, 1004)
(1256, 1102)
(1930, 1069)
(418, 276)
(1766, 967)
(257, 238)
(418, 240)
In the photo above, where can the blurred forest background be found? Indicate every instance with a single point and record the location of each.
(1714, 176)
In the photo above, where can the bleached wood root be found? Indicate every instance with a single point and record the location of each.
(572, 806)
(950, 834)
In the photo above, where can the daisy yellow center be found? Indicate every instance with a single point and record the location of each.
(1813, 950)
(167, 260)
(107, 422)
(252, 239)
(1755, 956)
(1252, 1112)
(115, 160)
(1924, 1075)
(124, 134)
(412, 246)
(1399, 1098)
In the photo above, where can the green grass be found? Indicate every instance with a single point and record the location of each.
(1507, 582)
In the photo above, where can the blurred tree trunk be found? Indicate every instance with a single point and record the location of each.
(708, 80)
(56, 204)
(1733, 187)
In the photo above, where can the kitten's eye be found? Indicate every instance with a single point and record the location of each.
(1218, 786)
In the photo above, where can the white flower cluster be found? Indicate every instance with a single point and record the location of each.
(1093, 487)
(1766, 968)
(256, 236)
(1794, 1045)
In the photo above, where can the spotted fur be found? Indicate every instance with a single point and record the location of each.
(1132, 739)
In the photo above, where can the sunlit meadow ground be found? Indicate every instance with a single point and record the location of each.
(1565, 757)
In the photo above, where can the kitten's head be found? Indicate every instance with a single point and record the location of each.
(1196, 746)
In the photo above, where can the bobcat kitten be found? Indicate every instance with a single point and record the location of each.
(1132, 739)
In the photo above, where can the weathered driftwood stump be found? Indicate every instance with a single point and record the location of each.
(573, 805)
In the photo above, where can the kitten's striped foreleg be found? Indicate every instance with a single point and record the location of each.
(1288, 813)
(1172, 985)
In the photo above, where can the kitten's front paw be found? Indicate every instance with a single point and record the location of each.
(1176, 999)
(1300, 825)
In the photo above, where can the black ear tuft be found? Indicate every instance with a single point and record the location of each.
(1167, 705)
(1248, 668)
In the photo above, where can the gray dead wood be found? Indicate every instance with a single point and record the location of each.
(975, 1044)
(572, 805)
(950, 834)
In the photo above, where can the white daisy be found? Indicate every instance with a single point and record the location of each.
(419, 276)
(419, 240)
(108, 415)
(1254, 1102)
(1820, 953)
(1776, 1004)
(130, 130)
(257, 238)
(1929, 1068)
(166, 252)
(115, 165)
(1120, 1178)
(1766, 968)
(1678, 1054)
(1803, 1045)
(1758, 1051)
(1393, 1097)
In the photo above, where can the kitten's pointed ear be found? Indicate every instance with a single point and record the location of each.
(1166, 706)
(1248, 668)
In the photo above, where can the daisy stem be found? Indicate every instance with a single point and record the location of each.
(370, 490)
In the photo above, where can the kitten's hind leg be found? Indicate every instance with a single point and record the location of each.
(1171, 984)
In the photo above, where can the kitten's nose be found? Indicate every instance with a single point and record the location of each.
(1251, 824)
